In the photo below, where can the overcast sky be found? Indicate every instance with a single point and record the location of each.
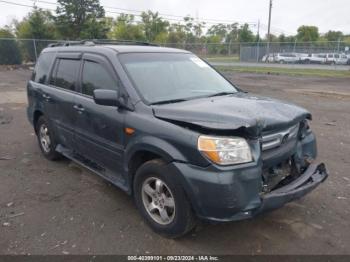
(287, 14)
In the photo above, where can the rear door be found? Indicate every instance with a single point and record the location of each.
(62, 87)
(99, 129)
(38, 88)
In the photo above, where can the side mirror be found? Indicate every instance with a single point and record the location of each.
(106, 97)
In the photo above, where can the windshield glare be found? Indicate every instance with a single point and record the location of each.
(173, 76)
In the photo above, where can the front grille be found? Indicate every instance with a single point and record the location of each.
(274, 140)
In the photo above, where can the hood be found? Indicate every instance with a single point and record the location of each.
(241, 110)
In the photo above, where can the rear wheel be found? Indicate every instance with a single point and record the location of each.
(161, 200)
(46, 139)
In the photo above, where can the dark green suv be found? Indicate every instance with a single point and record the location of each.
(165, 127)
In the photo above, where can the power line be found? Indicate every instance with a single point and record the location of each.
(18, 4)
(205, 20)
(174, 17)
(162, 14)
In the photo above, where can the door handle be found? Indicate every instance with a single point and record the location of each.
(79, 108)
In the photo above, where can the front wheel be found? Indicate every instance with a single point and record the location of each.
(46, 139)
(161, 200)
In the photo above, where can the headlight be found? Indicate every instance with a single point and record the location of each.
(225, 151)
(304, 128)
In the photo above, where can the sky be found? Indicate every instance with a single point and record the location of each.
(287, 15)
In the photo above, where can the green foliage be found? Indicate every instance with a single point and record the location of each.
(85, 19)
(9, 51)
(177, 35)
(215, 45)
(153, 25)
(245, 35)
(36, 25)
(334, 36)
(308, 33)
(81, 19)
(124, 28)
(227, 33)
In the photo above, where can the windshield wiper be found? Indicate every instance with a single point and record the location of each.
(222, 94)
(168, 101)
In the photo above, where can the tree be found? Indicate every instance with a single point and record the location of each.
(38, 24)
(308, 33)
(177, 35)
(153, 25)
(245, 35)
(124, 28)
(219, 30)
(215, 46)
(232, 33)
(9, 51)
(334, 35)
(221, 37)
(77, 19)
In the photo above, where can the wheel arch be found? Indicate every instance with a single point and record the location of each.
(146, 149)
(36, 115)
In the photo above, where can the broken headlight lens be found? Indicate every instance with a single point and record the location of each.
(225, 151)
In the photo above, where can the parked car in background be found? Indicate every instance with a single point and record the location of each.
(315, 59)
(284, 58)
(268, 58)
(348, 57)
(302, 57)
(336, 59)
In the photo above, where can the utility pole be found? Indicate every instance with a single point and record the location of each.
(269, 29)
(258, 43)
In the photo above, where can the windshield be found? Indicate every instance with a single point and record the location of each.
(162, 77)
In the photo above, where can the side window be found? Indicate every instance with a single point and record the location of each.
(65, 74)
(95, 76)
(42, 67)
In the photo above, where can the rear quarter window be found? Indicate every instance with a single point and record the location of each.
(42, 67)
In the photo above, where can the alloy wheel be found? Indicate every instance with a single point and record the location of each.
(158, 201)
(45, 139)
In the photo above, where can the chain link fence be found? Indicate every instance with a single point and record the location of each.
(23, 51)
(19, 51)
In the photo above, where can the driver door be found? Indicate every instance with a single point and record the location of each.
(99, 129)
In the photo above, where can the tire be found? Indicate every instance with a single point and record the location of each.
(282, 62)
(181, 218)
(46, 139)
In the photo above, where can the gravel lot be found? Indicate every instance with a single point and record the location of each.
(60, 208)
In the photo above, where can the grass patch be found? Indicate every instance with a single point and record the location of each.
(218, 59)
(285, 71)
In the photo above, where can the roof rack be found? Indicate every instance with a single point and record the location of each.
(101, 42)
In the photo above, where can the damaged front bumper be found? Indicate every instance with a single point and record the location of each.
(234, 195)
(312, 177)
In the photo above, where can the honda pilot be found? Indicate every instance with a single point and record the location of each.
(172, 132)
